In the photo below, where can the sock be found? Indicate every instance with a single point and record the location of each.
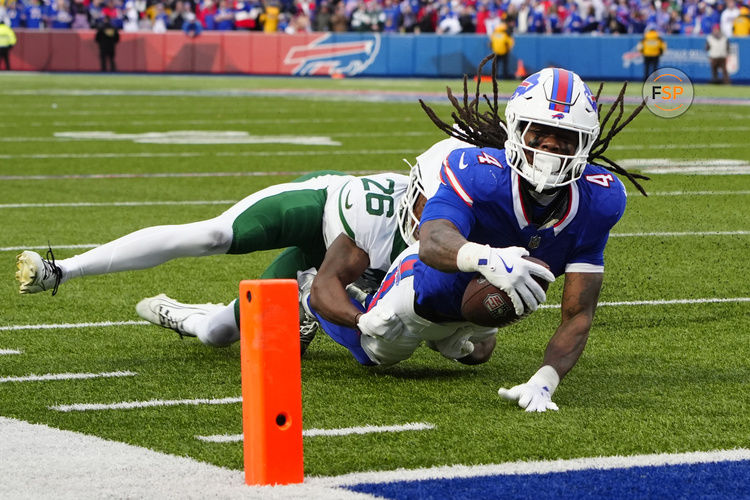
(218, 329)
(150, 247)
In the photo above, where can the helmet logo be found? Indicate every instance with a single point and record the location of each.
(589, 96)
(559, 116)
(526, 85)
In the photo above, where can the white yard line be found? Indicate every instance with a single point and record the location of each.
(613, 235)
(104, 324)
(170, 175)
(346, 431)
(44, 247)
(129, 405)
(117, 204)
(685, 233)
(697, 193)
(65, 376)
(85, 204)
(704, 145)
(5, 352)
(187, 154)
(661, 302)
(62, 326)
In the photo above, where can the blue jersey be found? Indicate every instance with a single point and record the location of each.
(481, 195)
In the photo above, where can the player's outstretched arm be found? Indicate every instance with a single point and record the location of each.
(580, 297)
(344, 262)
(439, 243)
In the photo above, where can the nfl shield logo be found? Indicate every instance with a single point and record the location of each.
(495, 306)
(534, 242)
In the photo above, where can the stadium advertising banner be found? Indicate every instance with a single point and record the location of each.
(365, 54)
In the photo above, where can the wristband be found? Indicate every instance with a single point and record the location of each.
(547, 377)
(470, 255)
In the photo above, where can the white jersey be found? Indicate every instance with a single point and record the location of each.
(364, 208)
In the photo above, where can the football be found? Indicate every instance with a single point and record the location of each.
(486, 305)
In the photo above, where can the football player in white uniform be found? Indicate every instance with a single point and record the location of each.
(286, 215)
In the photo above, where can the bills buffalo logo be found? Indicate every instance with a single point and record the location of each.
(589, 96)
(526, 85)
(559, 116)
(327, 56)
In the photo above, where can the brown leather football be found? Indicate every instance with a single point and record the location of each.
(486, 305)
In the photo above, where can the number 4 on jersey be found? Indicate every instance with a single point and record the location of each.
(601, 179)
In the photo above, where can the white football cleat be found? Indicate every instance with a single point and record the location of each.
(36, 274)
(169, 313)
(308, 325)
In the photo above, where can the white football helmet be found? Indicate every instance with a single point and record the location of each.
(424, 179)
(558, 98)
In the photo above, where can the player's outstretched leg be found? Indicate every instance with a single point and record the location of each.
(37, 274)
(191, 320)
(142, 249)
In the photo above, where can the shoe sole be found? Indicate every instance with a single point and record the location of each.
(26, 274)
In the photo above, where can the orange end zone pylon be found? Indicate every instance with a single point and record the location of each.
(271, 382)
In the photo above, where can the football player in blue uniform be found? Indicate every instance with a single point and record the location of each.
(531, 187)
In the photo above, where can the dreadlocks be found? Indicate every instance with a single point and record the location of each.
(601, 144)
(488, 129)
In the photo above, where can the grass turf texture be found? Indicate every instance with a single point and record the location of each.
(652, 379)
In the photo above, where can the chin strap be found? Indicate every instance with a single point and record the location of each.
(544, 165)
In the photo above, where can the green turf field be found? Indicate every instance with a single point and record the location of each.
(660, 377)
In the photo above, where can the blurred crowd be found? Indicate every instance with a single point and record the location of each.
(684, 17)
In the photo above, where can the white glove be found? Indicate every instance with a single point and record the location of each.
(382, 322)
(536, 394)
(509, 271)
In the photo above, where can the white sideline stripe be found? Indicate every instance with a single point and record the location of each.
(536, 467)
(61, 326)
(129, 405)
(660, 302)
(65, 376)
(687, 233)
(118, 204)
(105, 324)
(346, 431)
(4, 352)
